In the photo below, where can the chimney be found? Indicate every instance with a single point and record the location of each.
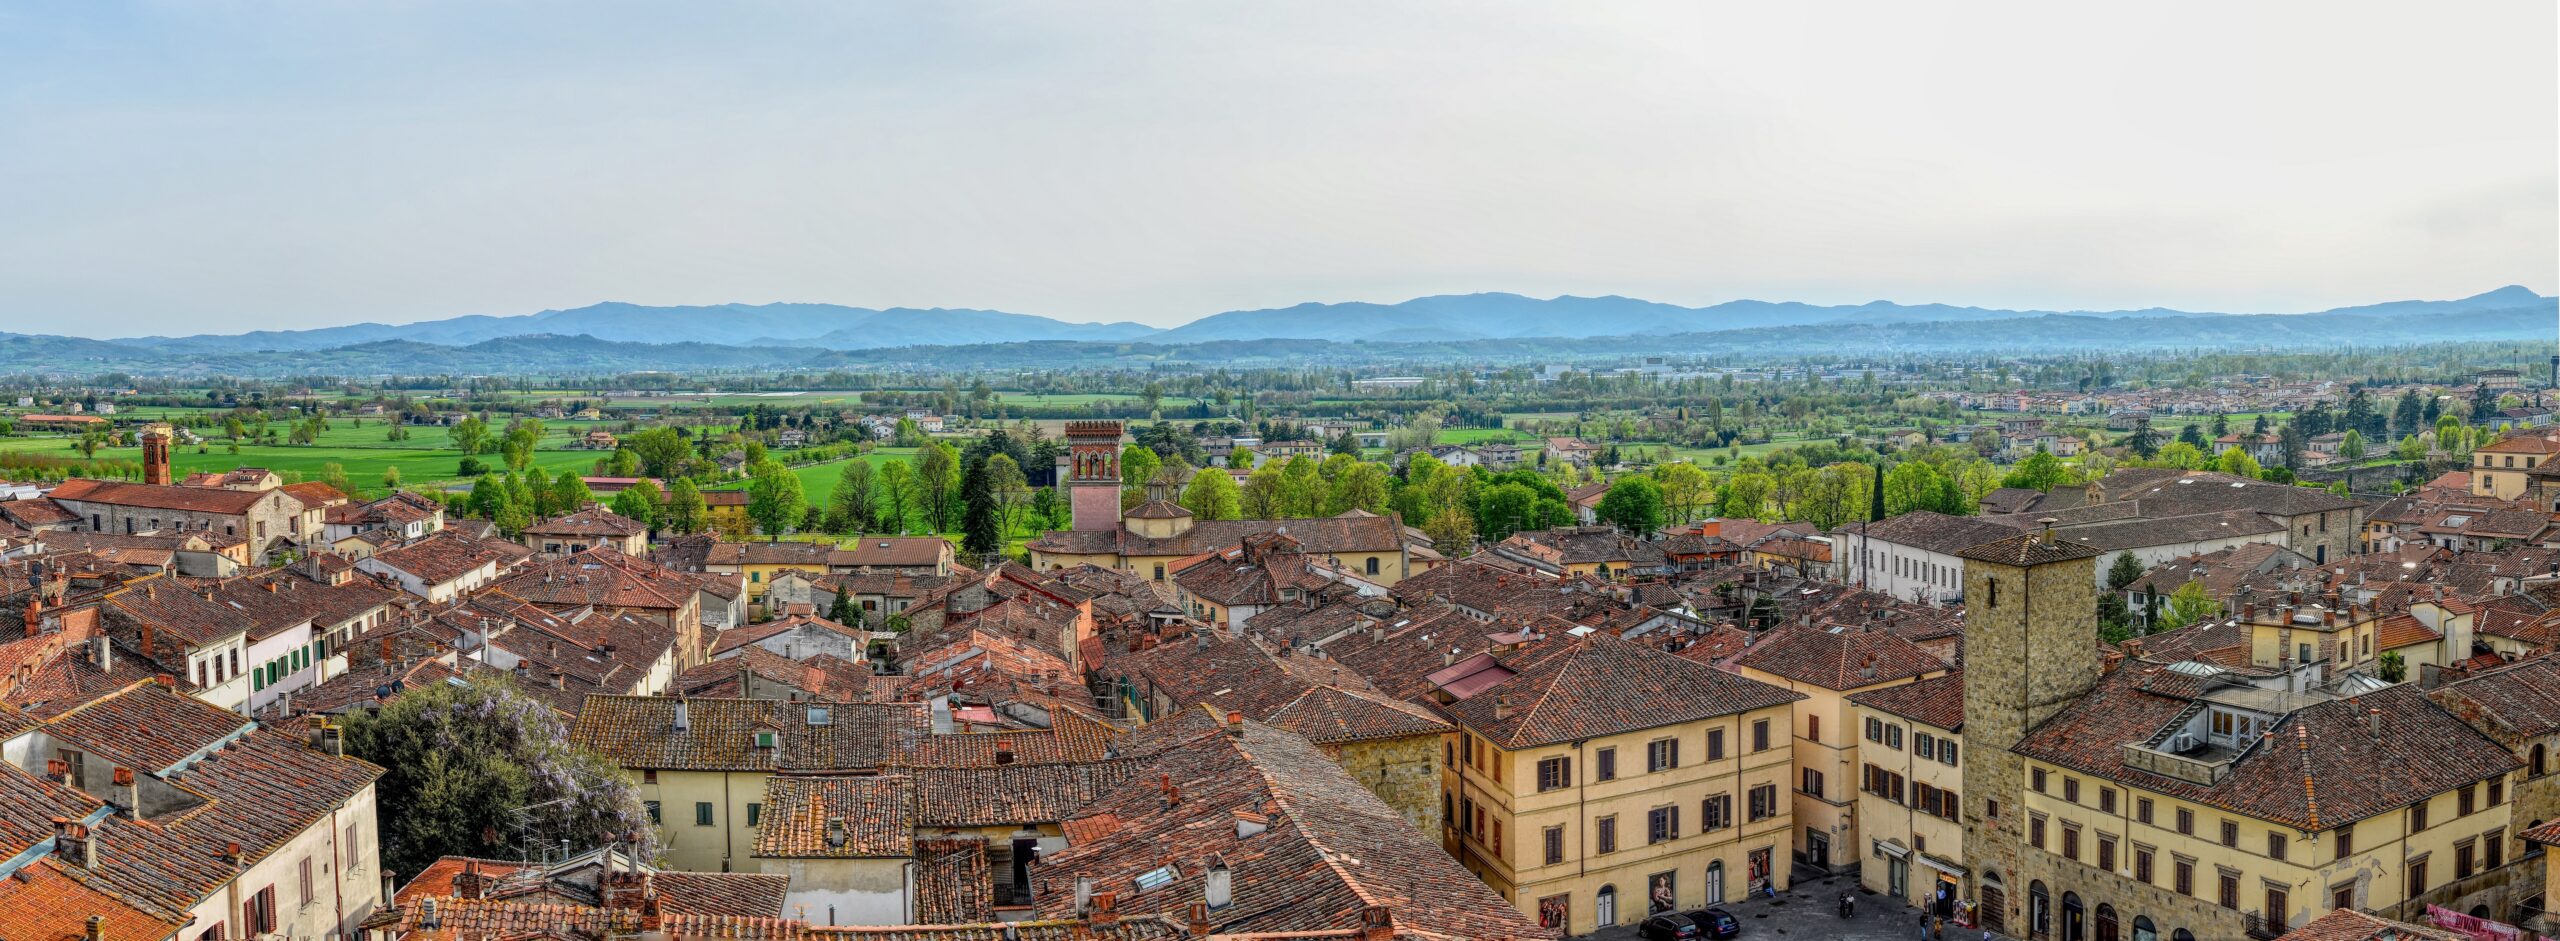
(1235, 723)
(103, 653)
(559, 680)
(1102, 913)
(96, 930)
(1199, 920)
(429, 917)
(128, 798)
(71, 842)
(59, 771)
(1377, 924)
(468, 884)
(333, 739)
(2373, 721)
(1501, 706)
(390, 887)
(941, 710)
(1449, 657)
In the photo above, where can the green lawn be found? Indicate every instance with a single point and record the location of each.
(1477, 435)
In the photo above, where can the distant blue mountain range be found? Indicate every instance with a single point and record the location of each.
(1436, 319)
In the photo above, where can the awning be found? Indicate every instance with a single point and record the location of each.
(1952, 869)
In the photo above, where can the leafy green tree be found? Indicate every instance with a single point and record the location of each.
(470, 434)
(686, 513)
(2237, 462)
(639, 503)
(488, 496)
(1361, 486)
(1012, 491)
(1302, 489)
(774, 500)
(1633, 504)
(391, 476)
(2351, 446)
(1261, 498)
(468, 768)
(1213, 495)
(898, 500)
(2181, 454)
(661, 452)
(854, 504)
(1685, 488)
(843, 611)
(2041, 471)
(1138, 466)
(2144, 442)
(1746, 495)
(335, 475)
(2115, 619)
(623, 463)
(2188, 605)
(569, 493)
(937, 475)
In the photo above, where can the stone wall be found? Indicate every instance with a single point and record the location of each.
(1404, 772)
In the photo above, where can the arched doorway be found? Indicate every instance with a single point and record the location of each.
(2075, 918)
(2106, 922)
(2039, 910)
(1604, 910)
(1994, 913)
(2182, 934)
(1715, 882)
(2479, 911)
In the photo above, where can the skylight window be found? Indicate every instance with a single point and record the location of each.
(1154, 878)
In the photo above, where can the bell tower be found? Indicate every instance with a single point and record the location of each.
(1093, 475)
(2031, 649)
(155, 453)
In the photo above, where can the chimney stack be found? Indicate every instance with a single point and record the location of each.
(1501, 706)
(103, 653)
(1235, 723)
(2373, 721)
(71, 842)
(128, 797)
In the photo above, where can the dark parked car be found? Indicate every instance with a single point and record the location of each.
(1669, 926)
(1716, 923)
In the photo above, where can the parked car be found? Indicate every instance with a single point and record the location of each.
(1669, 926)
(1716, 924)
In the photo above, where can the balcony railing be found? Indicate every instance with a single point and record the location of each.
(2263, 928)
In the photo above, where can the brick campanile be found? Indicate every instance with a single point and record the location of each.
(155, 453)
(1093, 475)
(2031, 648)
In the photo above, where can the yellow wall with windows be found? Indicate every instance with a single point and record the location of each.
(1509, 850)
(1904, 821)
(2375, 873)
(1828, 714)
(728, 843)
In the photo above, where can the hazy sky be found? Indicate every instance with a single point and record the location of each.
(216, 167)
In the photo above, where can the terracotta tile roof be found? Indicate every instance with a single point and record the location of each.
(1845, 659)
(161, 496)
(2522, 700)
(809, 555)
(40, 902)
(1329, 849)
(737, 637)
(602, 577)
(952, 883)
(2347, 924)
(2401, 630)
(1016, 794)
(640, 732)
(148, 615)
(2318, 767)
(1321, 535)
(37, 513)
(1930, 531)
(2210, 491)
(1937, 701)
(438, 878)
(148, 727)
(314, 494)
(837, 818)
(1333, 715)
(587, 523)
(440, 558)
(2025, 549)
(1602, 685)
(890, 552)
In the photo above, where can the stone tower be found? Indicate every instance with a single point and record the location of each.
(155, 453)
(1093, 475)
(2030, 649)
